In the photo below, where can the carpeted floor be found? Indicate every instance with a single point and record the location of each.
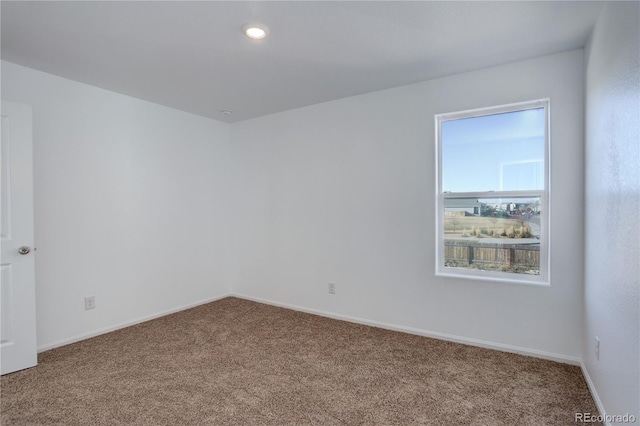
(236, 362)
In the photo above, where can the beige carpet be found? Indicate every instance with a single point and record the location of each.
(235, 362)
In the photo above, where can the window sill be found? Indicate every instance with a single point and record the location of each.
(499, 277)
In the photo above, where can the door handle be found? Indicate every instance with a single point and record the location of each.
(24, 250)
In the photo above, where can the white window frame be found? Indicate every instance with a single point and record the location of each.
(476, 274)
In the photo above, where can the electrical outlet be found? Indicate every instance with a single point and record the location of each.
(89, 302)
(332, 288)
(597, 348)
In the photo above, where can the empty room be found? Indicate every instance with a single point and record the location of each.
(320, 213)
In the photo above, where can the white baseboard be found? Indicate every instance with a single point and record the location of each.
(411, 330)
(426, 333)
(83, 336)
(594, 393)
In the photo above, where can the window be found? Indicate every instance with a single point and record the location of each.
(493, 193)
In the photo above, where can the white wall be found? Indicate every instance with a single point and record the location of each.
(131, 205)
(344, 192)
(612, 262)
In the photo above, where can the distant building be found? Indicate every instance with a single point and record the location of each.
(461, 207)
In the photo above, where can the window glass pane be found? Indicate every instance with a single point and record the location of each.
(499, 152)
(497, 234)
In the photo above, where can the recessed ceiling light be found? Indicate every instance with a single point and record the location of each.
(226, 112)
(255, 31)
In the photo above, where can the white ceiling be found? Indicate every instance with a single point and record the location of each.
(194, 57)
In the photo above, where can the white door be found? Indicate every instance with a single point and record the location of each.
(17, 278)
